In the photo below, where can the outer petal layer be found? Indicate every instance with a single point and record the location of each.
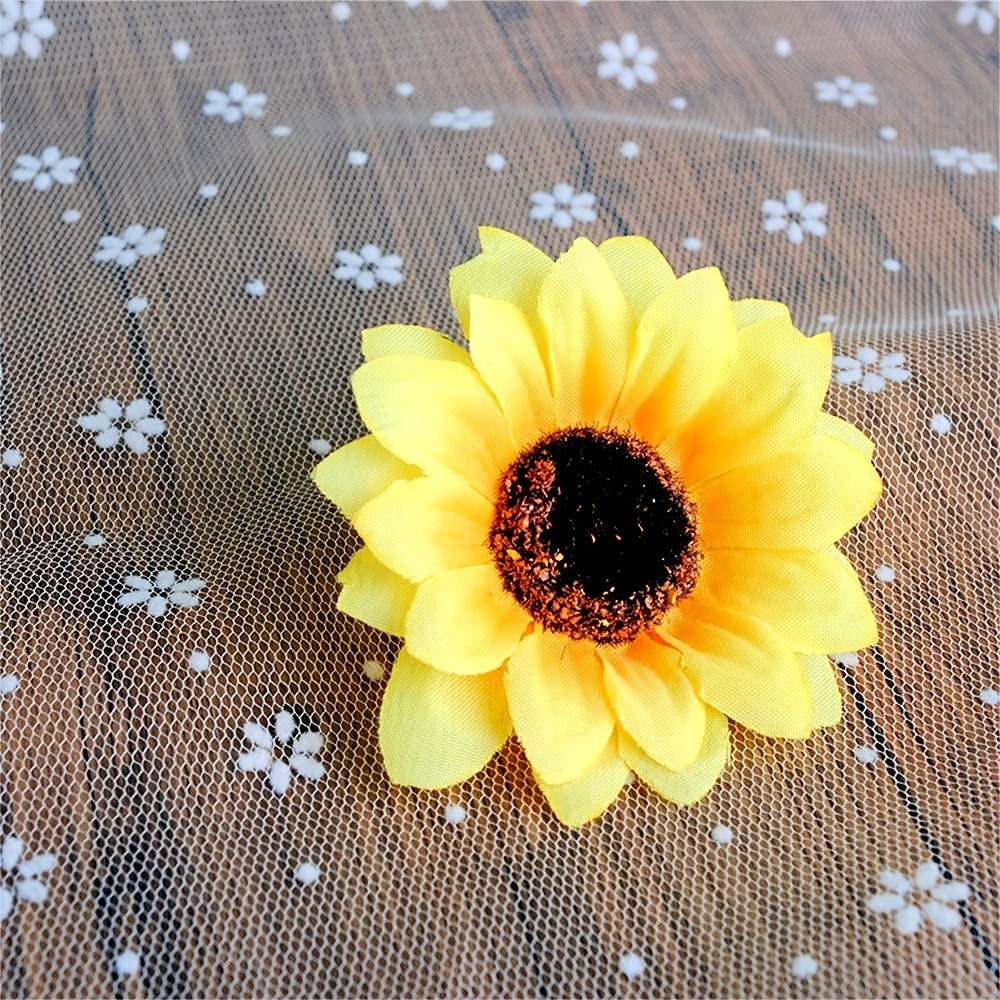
(556, 698)
(584, 798)
(742, 667)
(822, 683)
(654, 701)
(464, 622)
(686, 345)
(372, 593)
(462, 433)
(589, 327)
(769, 402)
(803, 498)
(814, 599)
(508, 268)
(427, 525)
(438, 729)
(415, 340)
(357, 472)
(639, 268)
(506, 354)
(693, 783)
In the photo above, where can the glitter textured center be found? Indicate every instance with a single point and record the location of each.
(594, 535)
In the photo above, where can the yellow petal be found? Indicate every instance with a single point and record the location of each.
(437, 729)
(372, 593)
(822, 683)
(770, 400)
(803, 498)
(419, 340)
(589, 328)
(831, 426)
(584, 798)
(427, 525)
(357, 472)
(506, 355)
(742, 667)
(639, 268)
(556, 696)
(814, 599)
(686, 347)
(654, 701)
(464, 622)
(508, 268)
(436, 415)
(694, 782)
(750, 311)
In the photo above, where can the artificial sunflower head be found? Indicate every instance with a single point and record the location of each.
(608, 526)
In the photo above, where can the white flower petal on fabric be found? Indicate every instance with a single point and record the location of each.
(942, 916)
(6, 895)
(308, 743)
(908, 919)
(895, 882)
(156, 606)
(950, 892)
(279, 777)
(257, 735)
(307, 766)
(31, 890)
(257, 759)
(886, 902)
(284, 726)
(37, 865)
(132, 599)
(10, 852)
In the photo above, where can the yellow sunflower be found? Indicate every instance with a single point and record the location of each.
(608, 527)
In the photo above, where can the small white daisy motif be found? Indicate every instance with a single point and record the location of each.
(562, 206)
(983, 13)
(23, 27)
(234, 104)
(794, 216)
(48, 168)
(160, 593)
(462, 119)
(19, 881)
(845, 92)
(923, 896)
(132, 424)
(288, 751)
(967, 163)
(368, 267)
(627, 62)
(135, 241)
(871, 369)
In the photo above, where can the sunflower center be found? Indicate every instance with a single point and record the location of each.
(594, 535)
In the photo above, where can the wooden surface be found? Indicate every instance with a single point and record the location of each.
(121, 760)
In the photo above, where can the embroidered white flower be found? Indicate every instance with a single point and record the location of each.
(19, 881)
(985, 14)
(871, 369)
(794, 216)
(131, 424)
(627, 62)
(433, 4)
(845, 92)
(925, 895)
(235, 104)
(23, 27)
(967, 163)
(462, 119)
(160, 593)
(134, 242)
(47, 168)
(368, 267)
(9, 683)
(288, 751)
(561, 206)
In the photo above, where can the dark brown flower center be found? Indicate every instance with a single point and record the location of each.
(594, 535)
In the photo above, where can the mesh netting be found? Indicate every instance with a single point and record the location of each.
(138, 859)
